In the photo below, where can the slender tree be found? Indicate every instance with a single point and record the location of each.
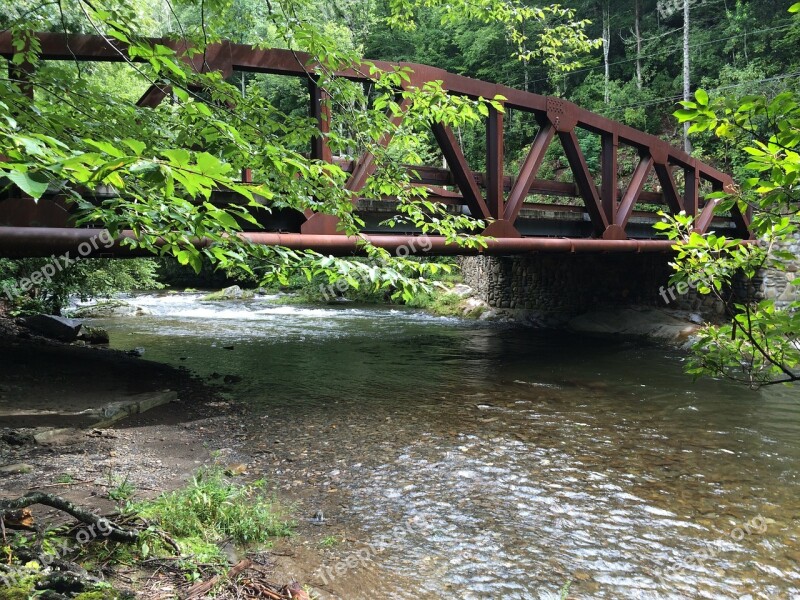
(637, 29)
(687, 86)
(606, 49)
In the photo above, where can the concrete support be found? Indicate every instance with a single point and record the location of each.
(563, 285)
(568, 284)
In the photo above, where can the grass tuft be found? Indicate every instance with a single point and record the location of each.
(212, 508)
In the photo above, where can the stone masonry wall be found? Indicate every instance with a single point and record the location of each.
(570, 284)
(774, 284)
(567, 284)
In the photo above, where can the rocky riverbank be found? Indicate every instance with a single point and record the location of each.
(48, 386)
(666, 325)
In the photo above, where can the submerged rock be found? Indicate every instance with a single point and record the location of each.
(649, 322)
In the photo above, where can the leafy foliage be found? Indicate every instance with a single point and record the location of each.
(761, 344)
(86, 279)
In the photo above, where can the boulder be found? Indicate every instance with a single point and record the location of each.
(462, 291)
(57, 328)
(94, 335)
(233, 292)
(110, 308)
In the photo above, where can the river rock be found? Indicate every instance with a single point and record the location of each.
(94, 335)
(647, 322)
(57, 328)
(461, 290)
(110, 308)
(233, 292)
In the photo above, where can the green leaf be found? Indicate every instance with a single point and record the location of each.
(33, 184)
(702, 97)
(183, 257)
(135, 145)
(106, 147)
(685, 115)
(178, 156)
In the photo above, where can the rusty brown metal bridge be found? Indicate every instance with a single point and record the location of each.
(603, 219)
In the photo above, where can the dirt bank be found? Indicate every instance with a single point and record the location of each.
(45, 384)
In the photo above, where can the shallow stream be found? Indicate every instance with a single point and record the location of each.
(485, 461)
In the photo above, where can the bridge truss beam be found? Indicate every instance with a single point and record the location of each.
(493, 196)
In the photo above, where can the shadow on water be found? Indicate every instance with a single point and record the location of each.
(494, 461)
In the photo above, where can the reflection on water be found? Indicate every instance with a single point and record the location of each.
(497, 462)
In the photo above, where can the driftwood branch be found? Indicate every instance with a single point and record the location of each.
(198, 590)
(105, 528)
(247, 586)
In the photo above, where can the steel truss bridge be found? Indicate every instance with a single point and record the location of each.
(604, 218)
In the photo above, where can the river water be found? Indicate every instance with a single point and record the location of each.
(483, 461)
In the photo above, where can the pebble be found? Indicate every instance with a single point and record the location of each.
(16, 469)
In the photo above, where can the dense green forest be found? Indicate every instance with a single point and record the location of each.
(718, 77)
(736, 48)
(633, 73)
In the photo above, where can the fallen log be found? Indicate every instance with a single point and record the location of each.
(105, 528)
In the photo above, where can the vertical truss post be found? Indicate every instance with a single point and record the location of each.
(691, 191)
(494, 162)
(22, 75)
(608, 191)
(320, 110)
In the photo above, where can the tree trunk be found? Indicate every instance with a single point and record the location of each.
(606, 49)
(687, 87)
(637, 23)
